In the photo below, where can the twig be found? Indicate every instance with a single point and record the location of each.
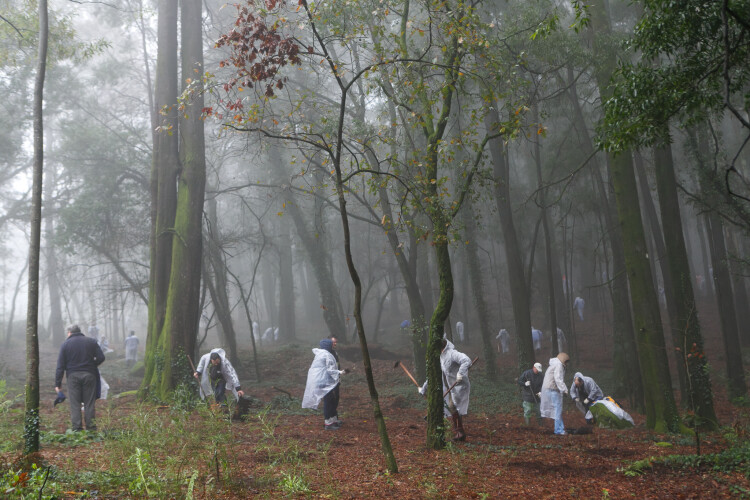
(282, 390)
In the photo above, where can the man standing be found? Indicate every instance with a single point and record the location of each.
(584, 392)
(531, 389)
(131, 349)
(323, 383)
(553, 390)
(217, 376)
(79, 358)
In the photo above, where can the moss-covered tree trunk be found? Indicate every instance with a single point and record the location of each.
(661, 256)
(687, 330)
(179, 331)
(519, 291)
(31, 414)
(165, 164)
(661, 410)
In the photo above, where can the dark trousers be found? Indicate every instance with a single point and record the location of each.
(82, 389)
(331, 403)
(220, 391)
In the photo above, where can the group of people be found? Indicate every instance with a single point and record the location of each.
(543, 394)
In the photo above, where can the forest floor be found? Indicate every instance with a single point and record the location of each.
(180, 450)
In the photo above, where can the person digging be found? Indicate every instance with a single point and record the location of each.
(456, 386)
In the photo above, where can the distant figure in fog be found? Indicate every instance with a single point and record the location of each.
(578, 306)
(267, 335)
(460, 330)
(562, 342)
(93, 332)
(504, 339)
(131, 349)
(536, 337)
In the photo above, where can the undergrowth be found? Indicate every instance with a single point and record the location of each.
(735, 458)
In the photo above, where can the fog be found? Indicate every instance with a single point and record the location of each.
(491, 145)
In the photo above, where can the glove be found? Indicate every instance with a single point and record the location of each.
(459, 378)
(578, 400)
(539, 395)
(586, 401)
(528, 383)
(420, 390)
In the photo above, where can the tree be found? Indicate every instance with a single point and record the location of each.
(661, 410)
(31, 418)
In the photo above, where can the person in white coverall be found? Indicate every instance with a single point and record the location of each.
(323, 384)
(455, 366)
(504, 339)
(553, 390)
(460, 330)
(584, 391)
(131, 349)
(536, 337)
(578, 305)
(217, 376)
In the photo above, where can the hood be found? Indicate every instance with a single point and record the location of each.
(563, 357)
(448, 345)
(578, 375)
(327, 345)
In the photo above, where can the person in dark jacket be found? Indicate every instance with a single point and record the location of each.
(531, 388)
(79, 358)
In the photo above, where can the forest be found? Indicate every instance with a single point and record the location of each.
(464, 211)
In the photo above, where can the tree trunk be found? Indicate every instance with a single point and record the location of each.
(519, 291)
(164, 168)
(727, 313)
(661, 256)
(628, 381)
(31, 416)
(287, 323)
(741, 303)
(551, 278)
(180, 330)
(686, 334)
(333, 312)
(217, 284)
(11, 315)
(418, 326)
(477, 287)
(661, 410)
(722, 282)
(55, 325)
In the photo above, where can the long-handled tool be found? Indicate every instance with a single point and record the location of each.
(399, 363)
(200, 388)
(454, 383)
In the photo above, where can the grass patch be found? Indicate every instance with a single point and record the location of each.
(734, 459)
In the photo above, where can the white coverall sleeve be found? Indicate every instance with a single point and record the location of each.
(559, 380)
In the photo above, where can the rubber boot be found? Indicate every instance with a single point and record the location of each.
(460, 435)
(454, 425)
